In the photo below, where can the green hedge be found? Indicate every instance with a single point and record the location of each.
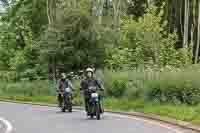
(115, 83)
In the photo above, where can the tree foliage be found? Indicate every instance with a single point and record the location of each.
(145, 42)
(45, 36)
(74, 41)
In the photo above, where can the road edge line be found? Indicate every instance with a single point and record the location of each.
(173, 122)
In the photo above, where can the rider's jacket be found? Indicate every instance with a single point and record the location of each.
(64, 83)
(86, 83)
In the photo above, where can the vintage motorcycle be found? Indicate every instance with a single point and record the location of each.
(95, 108)
(66, 96)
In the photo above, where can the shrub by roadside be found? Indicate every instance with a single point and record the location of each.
(172, 86)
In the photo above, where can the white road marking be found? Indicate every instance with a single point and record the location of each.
(9, 127)
(144, 120)
(147, 121)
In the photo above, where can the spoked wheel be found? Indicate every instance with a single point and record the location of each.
(70, 109)
(69, 105)
(63, 108)
(91, 112)
(91, 116)
(98, 116)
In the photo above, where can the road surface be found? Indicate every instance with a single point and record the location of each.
(41, 119)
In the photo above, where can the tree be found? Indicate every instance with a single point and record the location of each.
(186, 21)
(73, 40)
(198, 37)
(145, 42)
(17, 31)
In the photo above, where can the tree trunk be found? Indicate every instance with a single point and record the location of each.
(186, 23)
(181, 19)
(48, 14)
(100, 10)
(198, 37)
(116, 12)
(149, 3)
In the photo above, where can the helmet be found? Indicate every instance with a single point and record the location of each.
(63, 75)
(89, 70)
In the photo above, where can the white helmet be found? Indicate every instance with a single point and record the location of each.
(89, 70)
(63, 75)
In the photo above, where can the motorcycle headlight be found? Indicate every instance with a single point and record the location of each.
(94, 95)
(68, 90)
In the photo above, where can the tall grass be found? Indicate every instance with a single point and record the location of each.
(27, 88)
(173, 86)
(182, 86)
(35, 91)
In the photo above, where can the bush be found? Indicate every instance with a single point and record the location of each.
(176, 87)
(116, 83)
(167, 85)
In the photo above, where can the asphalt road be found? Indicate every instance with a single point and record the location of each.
(40, 119)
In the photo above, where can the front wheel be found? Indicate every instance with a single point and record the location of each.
(98, 112)
(63, 108)
(91, 116)
(69, 105)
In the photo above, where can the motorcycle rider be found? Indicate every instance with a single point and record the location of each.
(62, 84)
(89, 81)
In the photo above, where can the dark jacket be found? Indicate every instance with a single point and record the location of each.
(64, 83)
(86, 83)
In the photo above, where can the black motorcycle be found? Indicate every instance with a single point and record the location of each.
(66, 96)
(94, 103)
